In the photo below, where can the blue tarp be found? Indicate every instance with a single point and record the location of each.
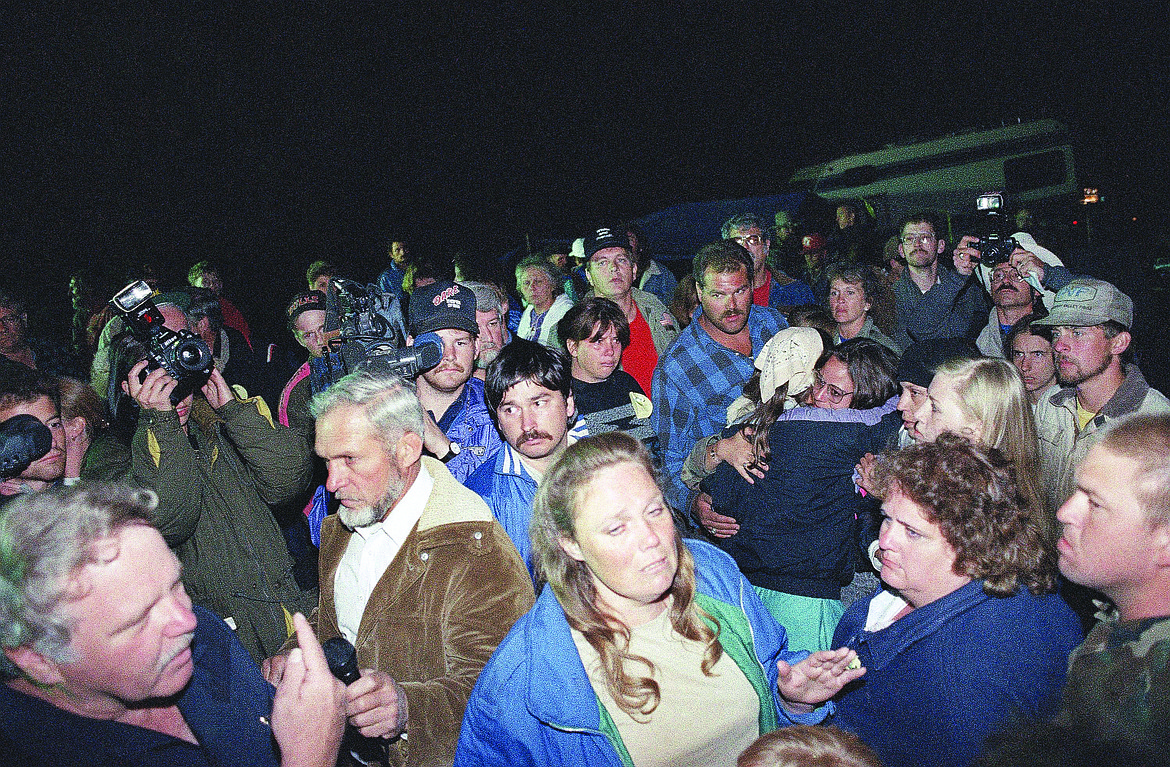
(678, 232)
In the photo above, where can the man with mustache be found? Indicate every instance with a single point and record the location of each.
(106, 662)
(458, 428)
(1013, 300)
(529, 392)
(415, 571)
(933, 301)
(1093, 344)
(705, 370)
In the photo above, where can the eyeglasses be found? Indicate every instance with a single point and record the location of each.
(911, 239)
(753, 240)
(1005, 275)
(617, 262)
(834, 393)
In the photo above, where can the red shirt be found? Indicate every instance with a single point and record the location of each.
(762, 294)
(640, 356)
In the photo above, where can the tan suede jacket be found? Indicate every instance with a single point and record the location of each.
(437, 614)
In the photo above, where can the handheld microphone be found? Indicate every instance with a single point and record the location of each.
(23, 440)
(342, 659)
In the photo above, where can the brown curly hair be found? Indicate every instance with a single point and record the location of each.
(970, 493)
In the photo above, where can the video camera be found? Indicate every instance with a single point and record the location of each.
(181, 353)
(369, 332)
(23, 440)
(995, 244)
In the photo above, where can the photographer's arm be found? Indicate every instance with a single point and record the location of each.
(278, 458)
(162, 458)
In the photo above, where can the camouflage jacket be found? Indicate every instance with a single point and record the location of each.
(1118, 684)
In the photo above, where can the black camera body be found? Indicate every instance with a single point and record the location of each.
(369, 332)
(181, 353)
(995, 244)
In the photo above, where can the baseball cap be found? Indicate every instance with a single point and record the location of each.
(606, 237)
(922, 359)
(442, 304)
(1085, 302)
(304, 302)
(788, 357)
(811, 243)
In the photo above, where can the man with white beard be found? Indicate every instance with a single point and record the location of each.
(415, 571)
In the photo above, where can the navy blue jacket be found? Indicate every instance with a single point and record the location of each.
(226, 705)
(799, 525)
(943, 677)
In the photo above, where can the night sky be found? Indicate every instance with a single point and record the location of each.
(268, 136)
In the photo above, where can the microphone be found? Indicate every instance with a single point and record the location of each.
(23, 439)
(342, 659)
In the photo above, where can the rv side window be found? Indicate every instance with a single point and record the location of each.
(1023, 174)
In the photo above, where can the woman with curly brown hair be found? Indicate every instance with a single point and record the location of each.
(966, 632)
(643, 649)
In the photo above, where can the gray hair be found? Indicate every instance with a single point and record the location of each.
(486, 298)
(746, 221)
(44, 539)
(539, 262)
(389, 401)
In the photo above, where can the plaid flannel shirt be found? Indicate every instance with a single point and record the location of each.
(693, 384)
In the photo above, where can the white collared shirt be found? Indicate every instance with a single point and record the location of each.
(371, 550)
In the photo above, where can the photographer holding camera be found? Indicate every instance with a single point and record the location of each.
(216, 462)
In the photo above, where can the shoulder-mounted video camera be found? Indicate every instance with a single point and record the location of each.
(369, 331)
(181, 353)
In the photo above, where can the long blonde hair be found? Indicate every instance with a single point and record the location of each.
(992, 392)
(553, 518)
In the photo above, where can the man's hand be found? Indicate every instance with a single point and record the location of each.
(715, 523)
(434, 440)
(273, 669)
(154, 391)
(308, 712)
(865, 471)
(966, 255)
(817, 678)
(217, 391)
(1028, 263)
(376, 705)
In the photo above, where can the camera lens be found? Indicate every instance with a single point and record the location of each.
(191, 355)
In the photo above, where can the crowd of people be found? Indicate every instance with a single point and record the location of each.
(822, 496)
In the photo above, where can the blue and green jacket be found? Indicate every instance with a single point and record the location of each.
(534, 704)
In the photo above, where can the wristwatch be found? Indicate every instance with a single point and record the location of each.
(452, 451)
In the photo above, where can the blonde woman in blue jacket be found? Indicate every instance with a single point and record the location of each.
(641, 650)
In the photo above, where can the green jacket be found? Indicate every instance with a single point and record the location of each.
(214, 493)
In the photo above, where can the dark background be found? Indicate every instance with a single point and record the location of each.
(267, 136)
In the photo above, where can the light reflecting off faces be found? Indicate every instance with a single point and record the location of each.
(491, 336)
(833, 386)
(595, 358)
(51, 466)
(611, 272)
(909, 402)
(309, 330)
(624, 533)
(457, 364)
(917, 561)
(1106, 542)
(726, 298)
(1082, 353)
(847, 302)
(535, 287)
(133, 625)
(363, 475)
(944, 411)
(1032, 356)
(534, 420)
